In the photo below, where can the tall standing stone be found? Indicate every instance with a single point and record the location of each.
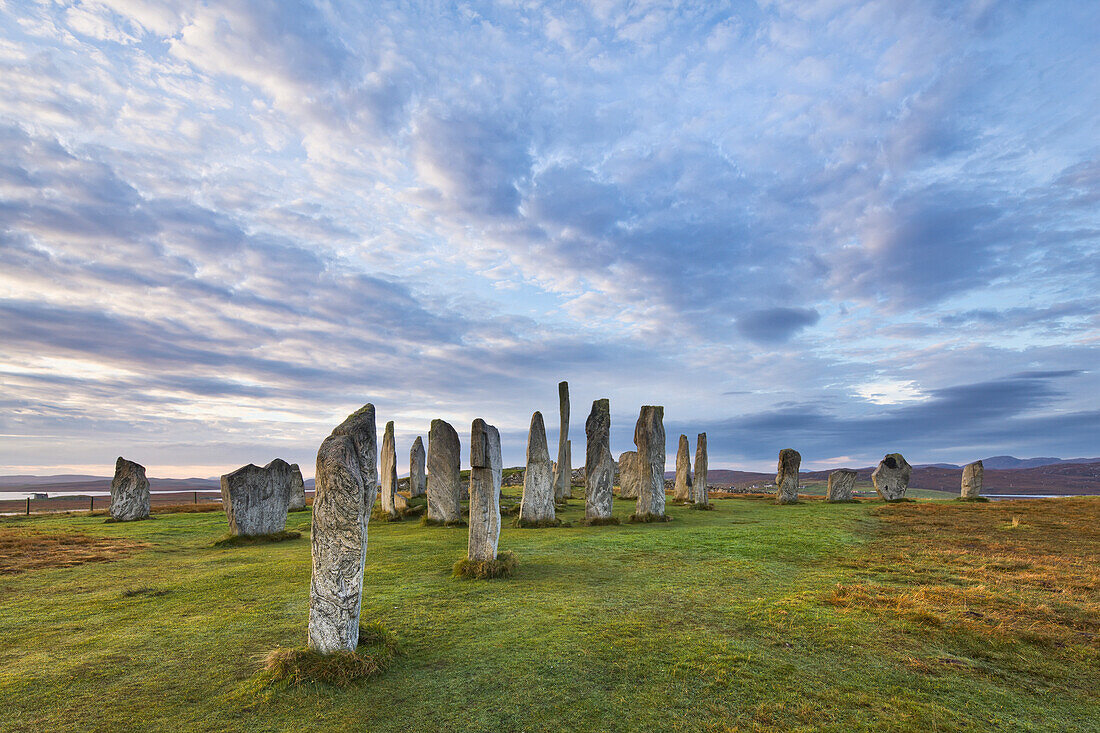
(297, 499)
(786, 477)
(628, 475)
(973, 473)
(361, 427)
(649, 437)
(389, 472)
(129, 492)
(701, 495)
(841, 485)
(444, 486)
(568, 470)
(485, 469)
(339, 543)
(891, 477)
(418, 481)
(538, 481)
(599, 469)
(256, 499)
(563, 473)
(681, 491)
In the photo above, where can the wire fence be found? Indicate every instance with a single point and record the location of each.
(100, 502)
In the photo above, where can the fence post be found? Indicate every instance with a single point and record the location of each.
(91, 504)
(28, 506)
(196, 497)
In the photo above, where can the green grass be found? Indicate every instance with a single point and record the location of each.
(751, 617)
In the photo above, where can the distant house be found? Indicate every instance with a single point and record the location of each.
(40, 495)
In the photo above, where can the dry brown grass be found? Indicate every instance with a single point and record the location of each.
(22, 550)
(1024, 570)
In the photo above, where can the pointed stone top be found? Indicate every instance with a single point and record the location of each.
(480, 450)
(418, 442)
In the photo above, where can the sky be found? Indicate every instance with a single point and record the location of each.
(846, 228)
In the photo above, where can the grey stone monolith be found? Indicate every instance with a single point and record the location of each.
(649, 437)
(389, 472)
(129, 492)
(444, 486)
(891, 477)
(361, 427)
(842, 482)
(485, 469)
(256, 499)
(973, 473)
(563, 488)
(339, 541)
(681, 487)
(786, 477)
(297, 499)
(538, 481)
(418, 481)
(628, 475)
(599, 467)
(699, 487)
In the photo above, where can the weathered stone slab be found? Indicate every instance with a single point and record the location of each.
(360, 426)
(389, 472)
(562, 478)
(297, 500)
(973, 473)
(418, 479)
(891, 477)
(786, 477)
(599, 469)
(841, 484)
(339, 544)
(628, 475)
(649, 437)
(538, 481)
(256, 499)
(129, 492)
(681, 489)
(701, 495)
(485, 469)
(444, 486)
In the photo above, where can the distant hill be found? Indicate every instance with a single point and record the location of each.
(1011, 462)
(102, 484)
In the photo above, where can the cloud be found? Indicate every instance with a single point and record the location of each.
(775, 325)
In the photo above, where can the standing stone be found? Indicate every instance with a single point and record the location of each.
(891, 478)
(485, 468)
(360, 426)
(339, 542)
(568, 470)
(628, 475)
(256, 499)
(563, 487)
(682, 489)
(297, 499)
(786, 477)
(599, 469)
(841, 484)
(538, 481)
(418, 482)
(444, 486)
(649, 437)
(701, 495)
(129, 492)
(389, 472)
(973, 473)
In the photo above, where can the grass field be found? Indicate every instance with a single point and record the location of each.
(914, 617)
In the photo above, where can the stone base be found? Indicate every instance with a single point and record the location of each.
(703, 507)
(112, 520)
(649, 518)
(243, 540)
(902, 500)
(599, 521)
(842, 501)
(376, 650)
(541, 524)
(502, 567)
(427, 521)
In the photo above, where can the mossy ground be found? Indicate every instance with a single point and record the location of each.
(246, 540)
(929, 616)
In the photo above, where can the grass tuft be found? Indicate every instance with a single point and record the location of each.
(599, 521)
(377, 649)
(649, 518)
(112, 520)
(708, 507)
(979, 499)
(510, 511)
(502, 567)
(247, 540)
